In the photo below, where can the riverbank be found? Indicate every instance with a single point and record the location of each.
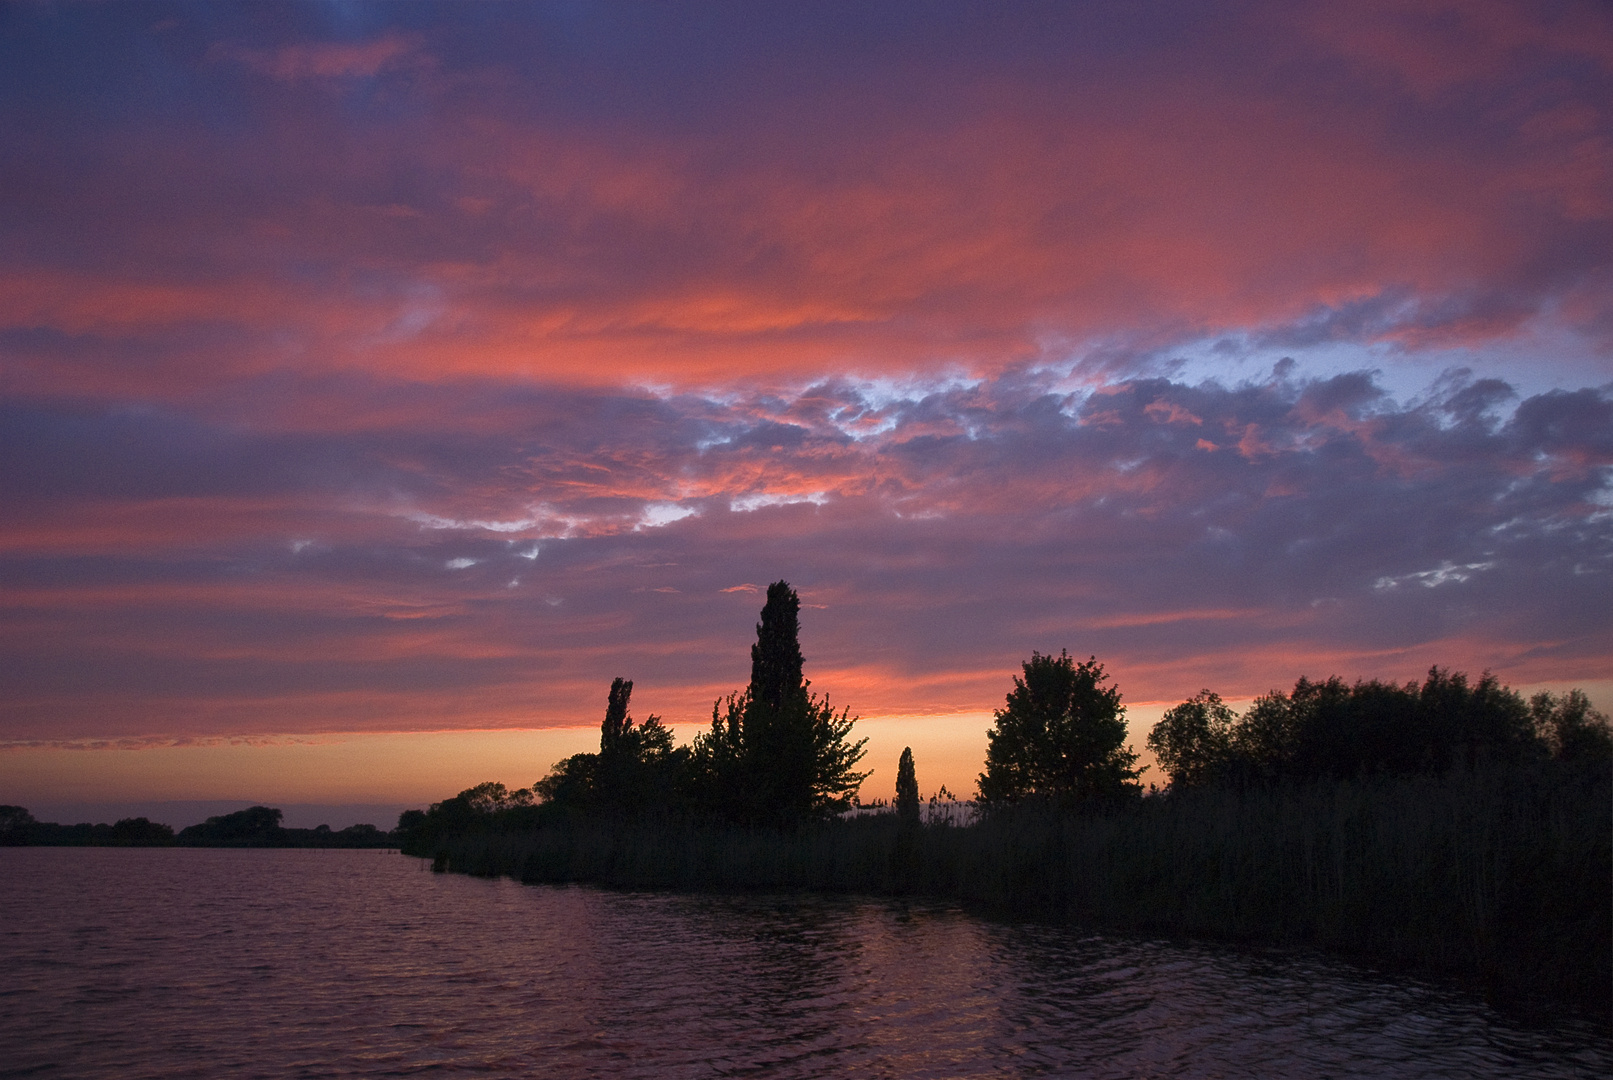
(1501, 878)
(256, 827)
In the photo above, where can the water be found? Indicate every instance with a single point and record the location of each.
(177, 963)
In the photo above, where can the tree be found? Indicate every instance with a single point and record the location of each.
(716, 779)
(257, 826)
(1265, 741)
(15, 825)
(1569, 728)
(637, 763)
(777, 754)
(632, 773)
(1193, 741)
(491, 797)
(1334, 730)
(1060, 738)
(907, 789)
(617, 724)
(905, 853)
(777, 725)
(776, 677)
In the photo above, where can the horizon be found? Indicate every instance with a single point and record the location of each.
(377, 383)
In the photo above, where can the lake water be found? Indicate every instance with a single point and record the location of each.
(180, 963)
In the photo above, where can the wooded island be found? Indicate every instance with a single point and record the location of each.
(1445, 825)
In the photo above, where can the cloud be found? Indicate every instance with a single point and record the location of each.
(327, 59)
(1289, 178)
(1105, 326)
(1328, 525)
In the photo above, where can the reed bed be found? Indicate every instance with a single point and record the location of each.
(1504, 877)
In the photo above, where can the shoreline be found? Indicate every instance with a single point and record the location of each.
(1499, 880)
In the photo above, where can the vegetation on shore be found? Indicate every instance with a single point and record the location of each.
(1445, 825)
(256, 827)
(1499, 876)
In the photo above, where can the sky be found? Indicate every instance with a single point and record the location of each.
(389, 378)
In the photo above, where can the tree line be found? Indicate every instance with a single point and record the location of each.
(1447, 824)
(776, 755)
(257, 826)
(1331, 730)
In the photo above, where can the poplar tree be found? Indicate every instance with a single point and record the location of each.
(777, 754)
(778, 723)
(636, 770)
(907, 788)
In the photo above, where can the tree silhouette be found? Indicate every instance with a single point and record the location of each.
(1334, 730)
(634, 771)
(15, 825)
(907, 788)
(616, 723)
(1193, 741)
(1059, 739)
(776, 754)
(1569, 728)
(257, 826)
(777, 725)
(776, 678)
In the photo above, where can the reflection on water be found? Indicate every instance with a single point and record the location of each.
(165, 963)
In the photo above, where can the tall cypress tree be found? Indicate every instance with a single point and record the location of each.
(776, 754)
(776, 679)
(778, 722)
(905, 854)
(907, 788)
(616, 722)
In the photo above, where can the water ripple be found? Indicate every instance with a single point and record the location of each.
(182, 963)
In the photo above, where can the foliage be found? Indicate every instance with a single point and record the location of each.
(18, 828)
(15, 824)
(717, 761)
(636, 771)
(1193, 741)
(257, 826)
(907, 787)
(1059, 739)
(776, 665)
(1336, 731)
(1569, 728)
(1498, 874)
(776, 753)
(1444, 824)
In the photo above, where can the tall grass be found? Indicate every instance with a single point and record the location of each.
(1503, 876)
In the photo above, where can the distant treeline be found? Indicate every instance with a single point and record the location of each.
(258, 827)
(1333, 731)
(1447, 824)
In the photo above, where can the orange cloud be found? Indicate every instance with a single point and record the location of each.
(423, 380)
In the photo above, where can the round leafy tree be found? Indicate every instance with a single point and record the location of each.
(1194, 741)
(1059, 739)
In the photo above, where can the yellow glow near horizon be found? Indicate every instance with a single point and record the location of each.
(389, 767)
(423, 767)
(418, 768)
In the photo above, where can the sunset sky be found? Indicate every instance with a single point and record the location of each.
(374, 373)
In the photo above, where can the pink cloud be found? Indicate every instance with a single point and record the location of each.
(436, 378)
(328, 60)
(409, 565)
